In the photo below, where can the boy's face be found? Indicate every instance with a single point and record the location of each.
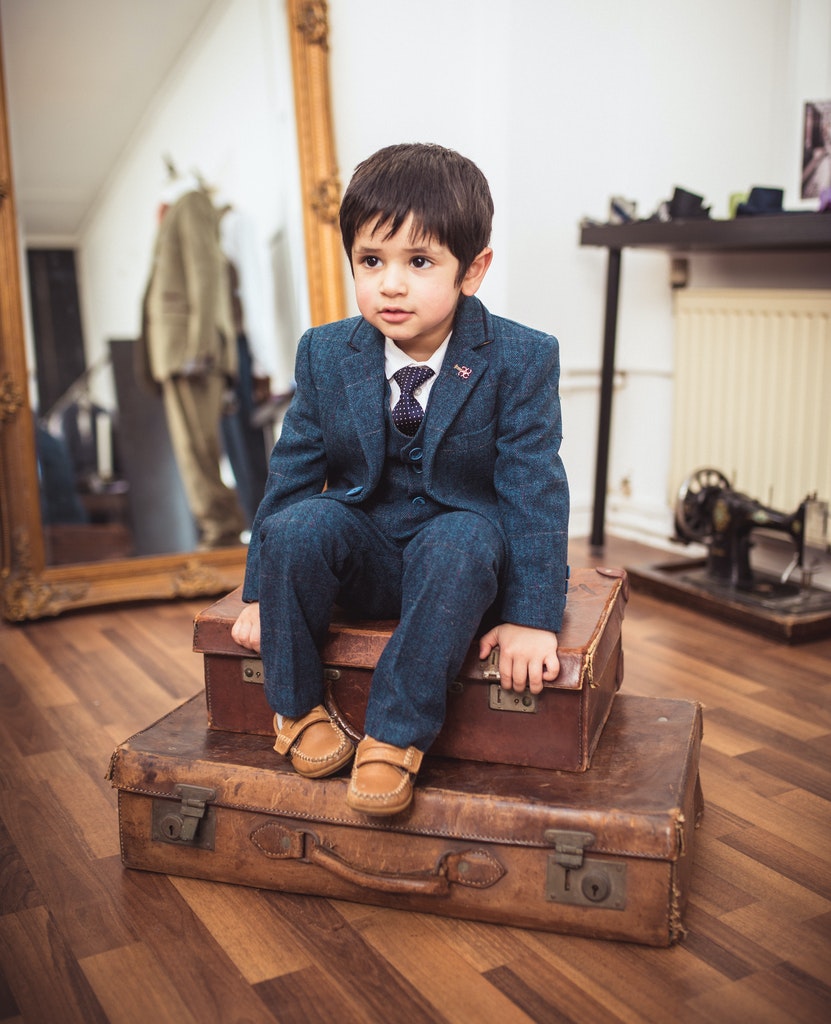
(407, 287)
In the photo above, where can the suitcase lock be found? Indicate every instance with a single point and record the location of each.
(504, 700)
(193, 823)
(575, 878)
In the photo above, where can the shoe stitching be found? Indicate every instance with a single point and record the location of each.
(388, 795)
(325, 758)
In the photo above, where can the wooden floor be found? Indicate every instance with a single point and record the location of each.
(84, 940)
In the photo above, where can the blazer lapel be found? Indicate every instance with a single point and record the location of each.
(465, 362)
(364, 384)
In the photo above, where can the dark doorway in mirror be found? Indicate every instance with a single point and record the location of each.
(56, 323)
(83, 494)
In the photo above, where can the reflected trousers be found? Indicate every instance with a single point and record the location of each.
(193, 407)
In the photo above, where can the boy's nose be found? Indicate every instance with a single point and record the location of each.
(393, 282)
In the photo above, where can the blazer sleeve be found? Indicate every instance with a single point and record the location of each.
(201, 263)
(532, 487)
(297, 466)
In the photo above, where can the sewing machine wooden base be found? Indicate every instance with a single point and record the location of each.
(784, 612)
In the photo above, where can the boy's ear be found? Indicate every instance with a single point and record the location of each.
(476, 272)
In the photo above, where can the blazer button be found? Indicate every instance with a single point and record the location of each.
(419, 501)
(353, 492)
(416, 454)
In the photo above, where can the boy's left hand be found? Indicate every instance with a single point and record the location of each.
(527, 656)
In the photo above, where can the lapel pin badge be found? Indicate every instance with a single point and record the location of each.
(463, 371)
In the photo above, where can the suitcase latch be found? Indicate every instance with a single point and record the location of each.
(510, 700)
(575, 878)
(490, 666)
(569, 846)
(193, 823)
(504, 700)
(252, 670)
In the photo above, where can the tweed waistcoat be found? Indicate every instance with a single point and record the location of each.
(399, 506)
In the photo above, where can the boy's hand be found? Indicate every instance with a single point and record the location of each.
(246, 630)
(526, 656)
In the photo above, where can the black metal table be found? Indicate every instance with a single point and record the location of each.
(795, 232)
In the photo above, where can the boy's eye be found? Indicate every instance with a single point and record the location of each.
(371, 261)
(420, 262)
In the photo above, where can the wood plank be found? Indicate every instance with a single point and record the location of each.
(180, 948)
(787, 859)
(550, 994)
(732, 954)
(484, 946)
(311, 995)
(524, 993)
(747, 792)
(411, 945)
(631, 984)
(17, 887)
(771, 925)
(344, 955)
(69, 881)
(254, 937)
(24, 727)
(45, 979)
(780, 995)
(133, 987)
(43, 684)
(802, 771)
(765, 885)
(70, 787)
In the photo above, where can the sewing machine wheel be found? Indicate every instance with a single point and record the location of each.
(692, 508)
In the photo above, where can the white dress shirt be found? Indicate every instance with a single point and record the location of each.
(396, 360)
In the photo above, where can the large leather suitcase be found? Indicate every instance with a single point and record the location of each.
(606, 853)
(558, 729)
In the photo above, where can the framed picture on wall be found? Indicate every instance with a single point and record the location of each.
(816, 149)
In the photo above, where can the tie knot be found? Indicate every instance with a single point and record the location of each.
(410, 377)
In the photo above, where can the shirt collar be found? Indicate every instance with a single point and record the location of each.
(395, 359)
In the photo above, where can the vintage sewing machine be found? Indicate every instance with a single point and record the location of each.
(709, 511)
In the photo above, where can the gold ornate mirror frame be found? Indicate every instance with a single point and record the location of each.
(30, 589)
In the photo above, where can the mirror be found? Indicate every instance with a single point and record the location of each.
(31, 586)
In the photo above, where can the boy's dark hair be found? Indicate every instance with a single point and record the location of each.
(445, 192)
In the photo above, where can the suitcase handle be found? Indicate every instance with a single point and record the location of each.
(474, 868)
(421, 884)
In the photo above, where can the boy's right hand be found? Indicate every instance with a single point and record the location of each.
(246, 630)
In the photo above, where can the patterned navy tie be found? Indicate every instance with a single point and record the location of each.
(407, 413)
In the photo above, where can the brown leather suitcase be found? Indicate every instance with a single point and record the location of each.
(558, 729)
(606, 853)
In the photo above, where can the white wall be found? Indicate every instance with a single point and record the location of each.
(227, 113)
(563, 104)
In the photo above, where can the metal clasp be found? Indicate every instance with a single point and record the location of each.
(252, 670)
(192, 824)
(569, 846)
(510, 700)
(582, 880)
(490, 666)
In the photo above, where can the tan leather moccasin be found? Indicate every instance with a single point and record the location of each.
(382, 777)
(313, 743)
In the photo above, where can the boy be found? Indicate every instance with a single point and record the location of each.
(434, 511)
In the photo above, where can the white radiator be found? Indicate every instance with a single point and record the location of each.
(753, 391)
